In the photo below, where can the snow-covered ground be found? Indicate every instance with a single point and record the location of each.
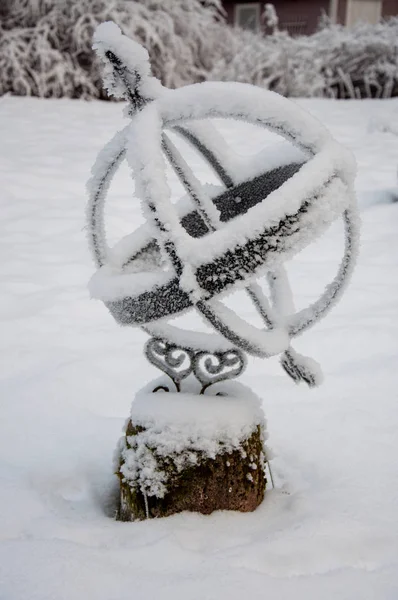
(68, 376)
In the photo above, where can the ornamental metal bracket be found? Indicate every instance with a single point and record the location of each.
(208, 368)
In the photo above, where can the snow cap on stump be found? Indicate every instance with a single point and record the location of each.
(184, 451)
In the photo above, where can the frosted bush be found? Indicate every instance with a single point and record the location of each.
(46, 45)
(333, 62)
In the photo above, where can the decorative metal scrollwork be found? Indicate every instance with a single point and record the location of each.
(178, 363)
(213, 368)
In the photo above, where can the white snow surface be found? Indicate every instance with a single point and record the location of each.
(109, 284)
(328, 530)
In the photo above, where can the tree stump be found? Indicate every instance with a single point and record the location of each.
(188, 452)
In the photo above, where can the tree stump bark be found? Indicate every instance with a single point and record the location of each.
(170, 461)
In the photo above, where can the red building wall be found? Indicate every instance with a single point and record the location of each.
(298, 16)
(302, 16)
(305, 13)
(389, 8)
(229, 9)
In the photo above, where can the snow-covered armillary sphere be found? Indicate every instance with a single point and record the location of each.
(215, 240)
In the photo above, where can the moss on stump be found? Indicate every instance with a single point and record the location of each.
(232, 480)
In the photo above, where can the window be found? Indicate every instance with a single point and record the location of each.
(368, 11)
(295, 28)
(247, 16)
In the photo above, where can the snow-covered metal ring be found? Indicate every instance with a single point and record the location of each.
(223, 241)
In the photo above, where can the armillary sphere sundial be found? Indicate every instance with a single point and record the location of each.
(191, 254)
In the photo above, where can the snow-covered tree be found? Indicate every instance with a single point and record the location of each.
(270, 17)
